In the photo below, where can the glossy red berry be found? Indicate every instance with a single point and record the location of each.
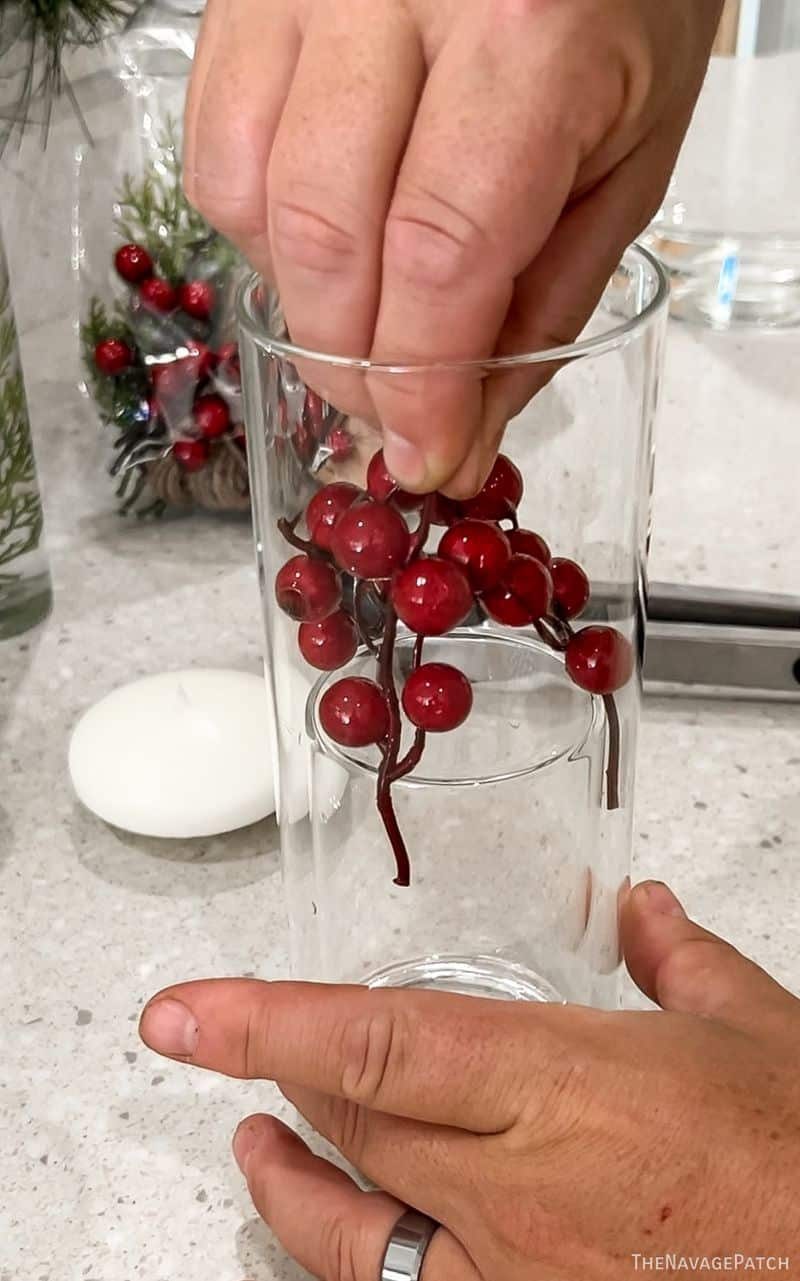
(353, 712)
(113, 356)
(525, 593)
(529, 544)
(308, 590)
(437, 697)
(133, 263)
(571, 588)
(197, 298)
(229, 365)
(482, 550)
(329, 644)
(370, 540)
(383, 486)
(175, 385)
(207, 360)
(211, 416)
(600, 659)
(340, 443)
(432, 595)
(158, 294)
(325, 509)
(191, 454)
(501, 493)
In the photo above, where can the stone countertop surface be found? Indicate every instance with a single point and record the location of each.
(116, 1165)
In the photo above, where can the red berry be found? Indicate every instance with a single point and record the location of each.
(207, 359)
(113, 356)
(158, 294)
(599, 659)
(353, 712)
(308, 590)
(191, 454)
(211, 416)
(197, 298)
(437, 697)
(482, 550)
(315, 413)
(501, 492)
(325, 509)
(370, 540)
(133, 263)
(228, 354)
(529, 544)
(383, 486)
(525, 593)
(571, 588)
(340, 443)
(329, 644)
(432, 595)
(175, 386)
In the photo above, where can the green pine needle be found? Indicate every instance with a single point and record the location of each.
(20, 506)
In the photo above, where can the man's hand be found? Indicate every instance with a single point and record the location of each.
(553, 1143)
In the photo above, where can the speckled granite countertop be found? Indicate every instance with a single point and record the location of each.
(115, 1166)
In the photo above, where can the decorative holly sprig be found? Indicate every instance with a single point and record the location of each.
(507, 575)
(20, 505)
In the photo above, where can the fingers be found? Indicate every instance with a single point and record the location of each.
(688, 970)
(389, 1051)
(333, 1229)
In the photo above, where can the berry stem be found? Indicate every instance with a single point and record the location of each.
(413, 756)
(287, 528)
(420, 536)
(364, 634)
(612, 768)
(390, 749)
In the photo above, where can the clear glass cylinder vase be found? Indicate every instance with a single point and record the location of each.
(488, 858)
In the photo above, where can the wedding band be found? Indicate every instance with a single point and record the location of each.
(406, 1247)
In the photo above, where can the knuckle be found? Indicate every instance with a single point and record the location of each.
(311, 240)
(691, 967)
(372, 1055)
(347, 1128)
(338, 1250)
(430, 242)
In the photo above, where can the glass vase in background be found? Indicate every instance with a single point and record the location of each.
(728, 231)
(25, 591)
(517, 824)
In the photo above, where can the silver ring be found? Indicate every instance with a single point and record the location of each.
(406, 1247)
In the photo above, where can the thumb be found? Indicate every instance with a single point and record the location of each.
(689, 970)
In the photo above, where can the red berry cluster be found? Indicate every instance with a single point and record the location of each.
(508, 576)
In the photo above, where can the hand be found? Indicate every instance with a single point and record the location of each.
(551, 1142)
(439, 179)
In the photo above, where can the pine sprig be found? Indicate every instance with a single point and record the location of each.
(20, 506)
(118, 399)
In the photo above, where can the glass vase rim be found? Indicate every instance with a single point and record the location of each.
(596, 345)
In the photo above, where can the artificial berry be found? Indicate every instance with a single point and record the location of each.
(432, 595)
(207, 360)
(113, 356)
(353, 712)
(340, 443)
(529, 544)
(191, 454)
(482, 550)
(228, 356)
(501, 493)
(197, 298)
(158, 294)
(571, 588)
(599, 659)
(175, 385)
(524, 594)
(308, 590)
(437, 697)
(370, 540)
(329, 644)
(315, 413)
(211, 416)
(133, 263)
(382, 486)
(325, 509)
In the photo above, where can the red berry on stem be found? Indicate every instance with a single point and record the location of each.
(191, 454)
(329, 644)
(325, 509)
(307, 590)
(175, 386)
(529, 544)
(353, 712)
(501, 492)
(525, 593)
(206, 359)
(370, 540)
(197, 298)
(158, 294)
(113, 356)
(382, 486)
(599, 659)
(133, 263)
(432, 595)
(482, 550)
(571, 588)
(211, 416)
(340, 443)
(437, 697)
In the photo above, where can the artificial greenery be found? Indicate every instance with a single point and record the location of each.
(20, 506)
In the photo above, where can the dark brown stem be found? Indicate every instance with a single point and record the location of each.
(390, 748)
(413, 756)
(612, 768)
(420, 535)
(287, 528)
(364, 634)
(554, 633)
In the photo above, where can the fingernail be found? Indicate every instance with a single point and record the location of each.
(246, 1139)
(661, 899)
(405, 461)
(169, 1027)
